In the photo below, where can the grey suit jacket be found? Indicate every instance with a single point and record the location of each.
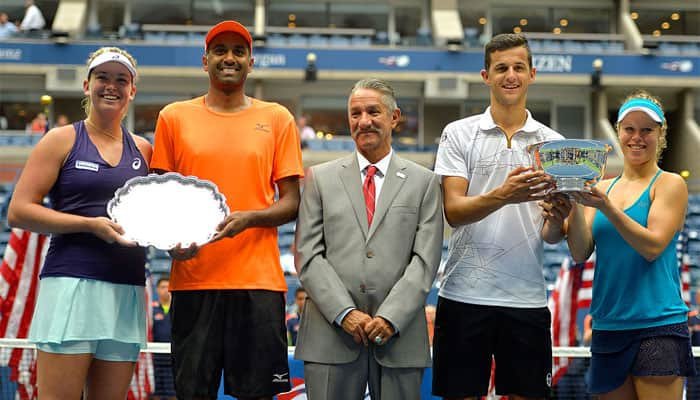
(385, 271)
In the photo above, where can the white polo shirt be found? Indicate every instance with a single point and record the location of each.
(498, 260)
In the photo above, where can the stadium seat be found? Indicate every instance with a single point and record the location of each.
(176, 37)
(360, 41)
(535, 45)
(284, 241)
(381, 38)
(552, 46)
(424, 37)
(615, 47)
(692, 222)
(573, 45)
(669, 48)
(93, 32)
(315, 144)
(276, 40)
(159, 266)
(288, 228)
(154, 36)
(298, 40)
(593, 47)
(196, 37)
(471, 37)
(318, 40)
(333, 145)
(339, 41)
(133, 31)
(690, 48)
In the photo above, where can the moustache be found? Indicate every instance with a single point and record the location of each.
(369, 130)
(235, 66)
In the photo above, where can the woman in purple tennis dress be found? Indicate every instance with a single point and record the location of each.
(90, 319)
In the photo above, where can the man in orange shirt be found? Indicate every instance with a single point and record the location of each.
(228, 306)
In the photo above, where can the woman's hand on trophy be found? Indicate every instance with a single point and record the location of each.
(591, 197)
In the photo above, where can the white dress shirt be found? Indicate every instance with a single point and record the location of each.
(33, 19)
(382, 166)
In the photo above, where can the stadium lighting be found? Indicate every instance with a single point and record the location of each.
(311, 72)
(46, 101)
(597, 73)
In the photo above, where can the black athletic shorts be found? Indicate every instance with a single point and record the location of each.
(241, 332)
(468, 336)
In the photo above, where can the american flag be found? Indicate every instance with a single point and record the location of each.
(585, 293)
(19, 280)
(141, 385)
(684, 265)
(563, 304)
(19, 284)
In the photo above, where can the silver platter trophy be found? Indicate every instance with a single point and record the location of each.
(572, 162)
(164, 210)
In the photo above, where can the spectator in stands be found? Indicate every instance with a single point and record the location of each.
(430, 317)
(287, 261)
(229, 296)
(492, 300)
(640, 344)
(305, 131)
(367, 273)
(294, 318)
(38, 124)
(90, 318)
(7, 28)
(62, 120)
(587, 330)
(3, 118)
(162, 367)
(33, 18)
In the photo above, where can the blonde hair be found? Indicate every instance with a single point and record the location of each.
(86, 100)
(643, 94)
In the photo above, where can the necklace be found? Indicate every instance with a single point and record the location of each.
(93, 126)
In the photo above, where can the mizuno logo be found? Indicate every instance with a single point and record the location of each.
(262, 127)
(280, 377)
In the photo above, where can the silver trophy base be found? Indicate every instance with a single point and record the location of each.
(570, 185)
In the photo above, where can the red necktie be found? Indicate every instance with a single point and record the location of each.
(369, 191)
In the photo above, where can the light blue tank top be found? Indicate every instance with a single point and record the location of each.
(630, 292)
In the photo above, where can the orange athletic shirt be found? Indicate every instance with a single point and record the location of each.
(244, 154)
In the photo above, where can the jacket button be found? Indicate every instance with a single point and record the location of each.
(370, 254)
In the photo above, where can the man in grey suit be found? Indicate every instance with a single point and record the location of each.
(369, 239)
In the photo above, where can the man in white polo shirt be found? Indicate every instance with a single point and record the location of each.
(492, 300)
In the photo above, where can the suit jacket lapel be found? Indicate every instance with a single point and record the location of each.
(393, 181)
(350, 176)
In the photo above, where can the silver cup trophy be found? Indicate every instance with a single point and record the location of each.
(572, 163)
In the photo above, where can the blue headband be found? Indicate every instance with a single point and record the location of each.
(641, 104)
